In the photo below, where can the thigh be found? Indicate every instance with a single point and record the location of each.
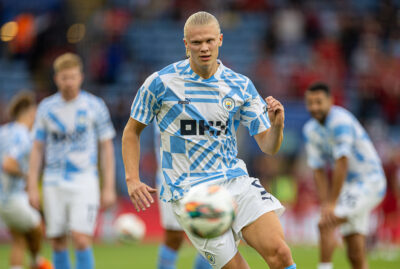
(83, 210)
(264, 234)
(19, 215)
(55, 211)
(218, 251)
(355, 245)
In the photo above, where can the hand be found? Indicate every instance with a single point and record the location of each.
(108, 198)
(276, 112)
(34, 197)
(328, 218)
(140, 194)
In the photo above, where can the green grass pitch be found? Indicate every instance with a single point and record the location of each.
(138, 256)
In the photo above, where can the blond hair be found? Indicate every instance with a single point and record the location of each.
(200, 18)
(20, 103)
(66, 61)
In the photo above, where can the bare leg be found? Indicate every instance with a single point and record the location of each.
(237, 262)
(81, 241)
(327, 243)
(173, 239)
(355, 244)
(265, 235)
(17, 249)
(59, 243)
(34, 242)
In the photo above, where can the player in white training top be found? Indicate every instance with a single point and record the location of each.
(198, 104)
(22, 220)
(334, 137)
(70, 127)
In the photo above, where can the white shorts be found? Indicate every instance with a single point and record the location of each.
(168, 219)
(253, 201)
(18, 214)
(71, 209)
(356, 203)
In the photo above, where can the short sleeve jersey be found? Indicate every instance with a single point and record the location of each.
(71, 131)
(16, 143)
(198, 119)
(342, 135)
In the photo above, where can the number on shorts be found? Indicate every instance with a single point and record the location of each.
(91, 213)
(264, 194)
(348, 199)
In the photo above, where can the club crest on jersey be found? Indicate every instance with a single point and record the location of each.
(228, 103)
(210, 257)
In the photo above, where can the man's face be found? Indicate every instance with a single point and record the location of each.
(69, 82)
(202, 43)
(318, 103)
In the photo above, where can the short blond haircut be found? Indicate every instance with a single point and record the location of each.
(66, 61)
(200, 18)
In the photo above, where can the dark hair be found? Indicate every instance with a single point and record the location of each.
(20, 103)
(319, 86)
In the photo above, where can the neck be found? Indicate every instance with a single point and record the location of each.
(206, 72)
(69, 96)
(322, 121)
(24, 121)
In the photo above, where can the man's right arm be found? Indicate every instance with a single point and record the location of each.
(322, 185)
(137, 190)
(35, 164)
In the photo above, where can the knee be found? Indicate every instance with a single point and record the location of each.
(59, 243)
(81, 241)
(280, 257)
(173, 239)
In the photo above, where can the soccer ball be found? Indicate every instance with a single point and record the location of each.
(129, 228)
(208, 211)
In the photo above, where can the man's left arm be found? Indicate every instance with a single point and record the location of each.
(107, 166)
(270, 140)
(338, 177)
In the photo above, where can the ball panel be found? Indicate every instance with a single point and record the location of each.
(129, 228)
(208, 211)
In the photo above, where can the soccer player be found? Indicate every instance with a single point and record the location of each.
(70, 127)
(173, 232)
(23, 221)
(198, 104)
(334, 136)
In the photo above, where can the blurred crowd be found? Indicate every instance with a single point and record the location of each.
(282, 45)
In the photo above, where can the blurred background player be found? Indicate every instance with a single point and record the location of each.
(173, 232)
(71, 126)
(198, 104)
(22, 220)
(358, 183)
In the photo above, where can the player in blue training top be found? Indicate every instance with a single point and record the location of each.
(173, 232)
(198, 104)
(334, 137)
(22, 220)
(69, 128)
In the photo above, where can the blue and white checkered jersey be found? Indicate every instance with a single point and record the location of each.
(16, 143)
(342, 135)
(198, 119)
(157, 150)
(71, 131)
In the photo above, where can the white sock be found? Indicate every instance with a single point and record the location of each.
(325, 265)
(16, 267)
